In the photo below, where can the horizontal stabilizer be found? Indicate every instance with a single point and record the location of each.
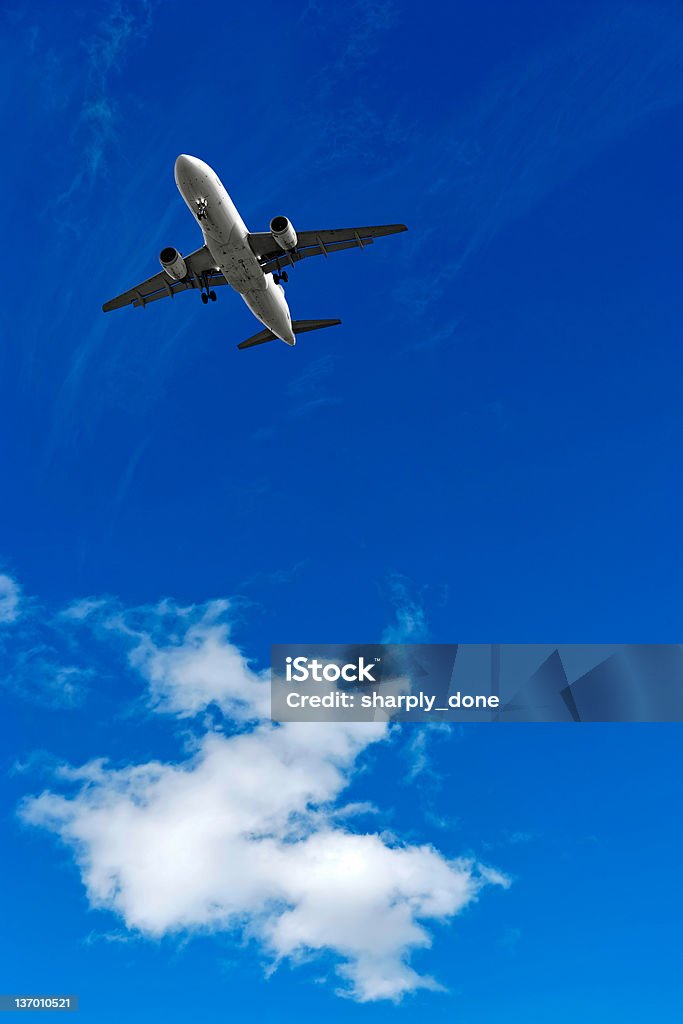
(298, 326)
(258, 339)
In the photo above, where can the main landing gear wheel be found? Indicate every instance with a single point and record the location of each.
(212, 296)
(284, 277)
(205, 298)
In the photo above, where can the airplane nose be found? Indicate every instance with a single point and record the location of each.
(184, 165)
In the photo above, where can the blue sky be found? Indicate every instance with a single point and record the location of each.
(486, 449)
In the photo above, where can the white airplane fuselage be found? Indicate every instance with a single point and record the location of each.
(225, 235)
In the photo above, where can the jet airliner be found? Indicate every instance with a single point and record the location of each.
(253, 263)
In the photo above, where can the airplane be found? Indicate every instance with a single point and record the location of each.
(253, 263)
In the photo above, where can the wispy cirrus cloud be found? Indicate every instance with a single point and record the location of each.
(344, 124)
(353, 34)
(37, 660)
(10, 597)
(106, 47)
(535, 124)
(248, 833)
(309, 389)
(410, 616)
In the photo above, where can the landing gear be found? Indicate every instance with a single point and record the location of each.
(281, 277)
(201, 205)
(206, 293)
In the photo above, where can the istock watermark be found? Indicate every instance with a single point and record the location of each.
(477, 682)
(302, 669)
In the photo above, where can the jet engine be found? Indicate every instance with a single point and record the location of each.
(283, 233)
(173, 263)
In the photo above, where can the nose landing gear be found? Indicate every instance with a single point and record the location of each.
(201, 205)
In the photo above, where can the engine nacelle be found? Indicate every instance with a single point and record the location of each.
(173, 263)
(283, 233)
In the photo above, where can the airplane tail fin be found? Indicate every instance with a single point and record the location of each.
(298, 326)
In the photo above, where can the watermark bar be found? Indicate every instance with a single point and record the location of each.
(24, 1002)
(477, 682)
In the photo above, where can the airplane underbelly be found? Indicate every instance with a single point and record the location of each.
(269, 306)
(238, 264)
(261, 304)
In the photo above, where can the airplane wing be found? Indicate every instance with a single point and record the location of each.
(315, 243)
(162, 285)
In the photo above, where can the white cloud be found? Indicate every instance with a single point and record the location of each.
(10, 596)
(410, 623)
(417, 749)
(80, 610)
(39, 678)
(188, 662)
(106, 49)
(246, 834)
(36, 661)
